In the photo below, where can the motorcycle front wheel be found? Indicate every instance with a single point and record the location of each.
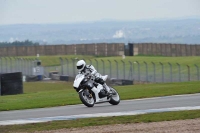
(115, 99)
(86, 98)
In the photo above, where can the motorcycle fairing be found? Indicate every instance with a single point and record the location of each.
(78, 80)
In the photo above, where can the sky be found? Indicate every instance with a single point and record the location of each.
(70, 11)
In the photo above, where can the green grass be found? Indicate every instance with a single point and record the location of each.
(50, 94)
(39, 95)
(154, 90)
(146, 118)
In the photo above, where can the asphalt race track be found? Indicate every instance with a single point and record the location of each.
(126, 107)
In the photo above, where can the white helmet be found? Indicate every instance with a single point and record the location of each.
(80, 65)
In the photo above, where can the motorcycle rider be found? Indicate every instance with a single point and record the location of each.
(83, 69)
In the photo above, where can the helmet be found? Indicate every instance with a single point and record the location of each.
(80, 65)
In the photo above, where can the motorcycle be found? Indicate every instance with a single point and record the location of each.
(91, 93)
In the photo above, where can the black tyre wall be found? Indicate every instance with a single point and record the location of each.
(11, 83)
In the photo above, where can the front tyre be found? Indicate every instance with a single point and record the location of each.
(114, 99)
(86, 98)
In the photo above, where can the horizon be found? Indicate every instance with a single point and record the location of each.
(111, 20)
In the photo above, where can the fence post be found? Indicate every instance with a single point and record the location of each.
(103, 67)
(18, 64)
(90, 61)
(33, 65)
(146, 71)
(22, 61)
(10, 64)
(97, 64)
(67, 64)
(117, 69)
(1, 65)
(162, 71)
(179, 71)
(25, 66)
(131, 70)
(22, 66)
(188, 72)
(30, 67)
(170, 65)
(15, 64)
(36, 61)
(73, 63)
(6, 64)
(197, 71)
(154, 72)
(123, 68)
(61, 63)
(138, 70)
(110, 68)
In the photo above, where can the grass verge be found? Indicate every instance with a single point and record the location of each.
(154, 117)
(50, 94)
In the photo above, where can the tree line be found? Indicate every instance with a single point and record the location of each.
(19, 43)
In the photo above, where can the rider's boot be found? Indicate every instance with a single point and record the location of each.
(108, 91)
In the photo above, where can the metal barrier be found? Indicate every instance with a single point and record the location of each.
(137, 71)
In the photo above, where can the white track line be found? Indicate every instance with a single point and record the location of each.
(196, 94)
(71, 117)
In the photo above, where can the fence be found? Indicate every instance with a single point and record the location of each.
(136, 71)
(24, 65)
(8, 65)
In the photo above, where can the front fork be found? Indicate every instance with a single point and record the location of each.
(96, 92)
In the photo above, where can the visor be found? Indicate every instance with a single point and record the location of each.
(79, 67)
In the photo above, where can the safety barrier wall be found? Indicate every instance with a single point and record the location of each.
(99, 49)
(165, 49)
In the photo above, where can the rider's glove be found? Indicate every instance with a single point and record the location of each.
(76, 89)
(92, 77)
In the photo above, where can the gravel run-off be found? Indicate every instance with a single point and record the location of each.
(178, 126)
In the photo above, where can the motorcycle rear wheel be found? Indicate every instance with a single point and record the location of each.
(86, 100)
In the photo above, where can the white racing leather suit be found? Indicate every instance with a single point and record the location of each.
(98, 77)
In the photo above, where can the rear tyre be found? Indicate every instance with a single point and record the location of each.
(115, 99)
(86, 99)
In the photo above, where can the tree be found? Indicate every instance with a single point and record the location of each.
(19, 43)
